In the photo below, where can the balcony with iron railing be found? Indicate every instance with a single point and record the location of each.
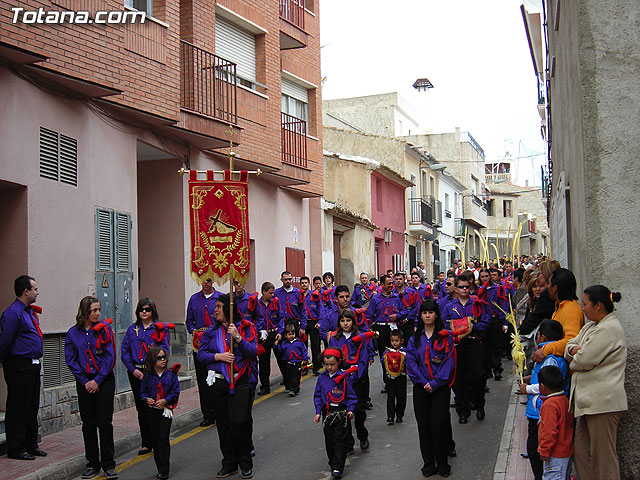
(436, 209)
(293, 12)
(292, 24)
(421, 216)
(208, 84)
(294, 141)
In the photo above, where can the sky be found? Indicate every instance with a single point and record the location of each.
(475, 53)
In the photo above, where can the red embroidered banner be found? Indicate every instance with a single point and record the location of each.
(219, 218)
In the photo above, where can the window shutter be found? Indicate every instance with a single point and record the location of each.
(48, 154)
(68, 160)
(105, 234)
(51, 361)
(237, 45)
(294, 90)
(123, 241)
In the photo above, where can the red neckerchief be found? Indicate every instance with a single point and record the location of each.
(342, 377)
(355, 339)
(288, 307)
(160, 389)
(103, 336)
(205, 308)
(160, 331)
(35, 310)
(244, 330)
(360, 315)
(88, 355)
(444, 345)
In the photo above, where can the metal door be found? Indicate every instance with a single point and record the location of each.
(113, 278)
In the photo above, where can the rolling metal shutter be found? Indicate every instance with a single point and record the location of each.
(294, 90)
(237, 45)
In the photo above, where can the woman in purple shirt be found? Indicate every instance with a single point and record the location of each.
(89, 351)
(133, 351)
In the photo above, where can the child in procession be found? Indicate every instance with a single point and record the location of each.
(356, 351)
(395, 377)
(292, 352)
(334, 401)
(160, 390)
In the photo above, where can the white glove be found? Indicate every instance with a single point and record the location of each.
(263, 335)
(211, 377)
(393, 326)
(167, 413)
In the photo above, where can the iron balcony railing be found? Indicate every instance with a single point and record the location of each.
(420, 212)
(208, 83)
(293, 12)
(476, 200)
(294, 140)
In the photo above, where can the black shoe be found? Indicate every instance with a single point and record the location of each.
(145, 450)
(429, 471)
(204, 423)
(368, 405)
(252, 452)
(480, 413)
(453, 405)
(399, 419)
(384, 390)
(162, 476)
(22, 456)
(444, 473)
(390, 420)
(316, 372)
(524, 455)
(293, 394)
(37, 452)
(497, 377)
(452, 453)
(487, 390)
(263, 391)
(463, 420)
(336, 473)
(364, 444)
(90, 472)
(247, 473)
(111, 474)
(350, 452)
(224, 473)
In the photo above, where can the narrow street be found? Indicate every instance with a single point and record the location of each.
(290, 446)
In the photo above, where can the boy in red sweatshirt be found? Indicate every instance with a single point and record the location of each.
(555, 430)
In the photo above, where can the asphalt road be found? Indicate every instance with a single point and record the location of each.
(290, 446)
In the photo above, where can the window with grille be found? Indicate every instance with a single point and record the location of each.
(55, 370)
(58, 157)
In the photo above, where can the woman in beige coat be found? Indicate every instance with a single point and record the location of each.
(597, 357)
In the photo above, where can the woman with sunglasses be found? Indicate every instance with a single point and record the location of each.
(135, 345)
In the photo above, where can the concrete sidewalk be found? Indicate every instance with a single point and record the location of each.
(65, 449)
(510, 465)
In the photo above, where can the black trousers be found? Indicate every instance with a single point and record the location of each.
(96, 413)
(159, 428)
(233, 422)
(434, 426)
(264, 361)
(469, 383)
(337, 436)
(396, 396)
(291, 376)
(537, 466)
(360, 414)
(206, 402)
(143, 412)
(314, 339)
(23, 400)
(492, 347)
(383, 341)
